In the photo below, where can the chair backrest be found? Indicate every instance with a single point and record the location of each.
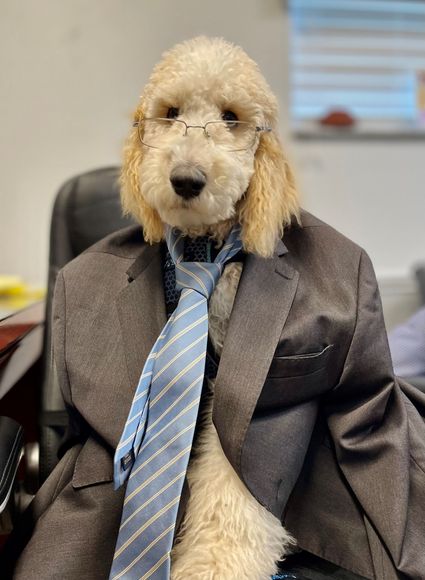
(86, 209)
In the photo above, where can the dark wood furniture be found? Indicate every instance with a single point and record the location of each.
(21, 341)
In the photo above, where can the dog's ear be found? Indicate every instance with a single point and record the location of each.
(132, 200)
(271, 200)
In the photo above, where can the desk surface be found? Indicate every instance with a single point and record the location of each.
(10, 305)
(21, 341)
(16, 324)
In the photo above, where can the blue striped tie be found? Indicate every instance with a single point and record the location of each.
(154, 449)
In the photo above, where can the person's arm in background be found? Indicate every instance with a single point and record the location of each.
(407, 345)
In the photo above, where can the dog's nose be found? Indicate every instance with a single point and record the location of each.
(188, 186)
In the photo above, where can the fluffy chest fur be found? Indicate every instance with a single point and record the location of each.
(225, 533)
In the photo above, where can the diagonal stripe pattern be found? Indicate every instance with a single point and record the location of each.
(153, 453)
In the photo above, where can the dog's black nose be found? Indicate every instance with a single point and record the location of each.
(188, 186)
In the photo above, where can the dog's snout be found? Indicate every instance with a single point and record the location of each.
(187, 187)
(188, 184)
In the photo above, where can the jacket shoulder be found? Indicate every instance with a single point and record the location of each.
(124, 243)
(323, 234)
(116, 252)
(316, 245)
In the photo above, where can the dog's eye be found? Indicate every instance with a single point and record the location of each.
(172, 113)
(229, 116)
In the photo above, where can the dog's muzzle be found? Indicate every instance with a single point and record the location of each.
(188, 182)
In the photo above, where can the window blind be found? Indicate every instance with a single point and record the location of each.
(361, 56)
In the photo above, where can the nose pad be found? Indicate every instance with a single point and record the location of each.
(188, 184)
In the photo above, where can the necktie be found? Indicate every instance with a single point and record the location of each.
(155, 445)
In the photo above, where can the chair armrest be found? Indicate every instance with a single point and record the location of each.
(11, 451)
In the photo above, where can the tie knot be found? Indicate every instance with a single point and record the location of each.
(197, 249)
(199, 276)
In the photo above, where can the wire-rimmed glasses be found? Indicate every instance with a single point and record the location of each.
(229, 135)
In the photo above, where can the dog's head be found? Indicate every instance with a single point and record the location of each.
(204, 153)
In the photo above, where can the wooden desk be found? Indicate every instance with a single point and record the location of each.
(21, 341)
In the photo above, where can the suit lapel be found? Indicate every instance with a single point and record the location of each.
(141, 310)
(263, 300)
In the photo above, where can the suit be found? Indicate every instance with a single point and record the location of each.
(306, 406)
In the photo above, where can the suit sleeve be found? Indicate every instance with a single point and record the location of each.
(59, 334)
(379, 438)
(76, 430)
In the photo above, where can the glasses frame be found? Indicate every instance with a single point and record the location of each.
(257, 128)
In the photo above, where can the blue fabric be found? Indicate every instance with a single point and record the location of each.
(407, 345)
(195, 250)
(154, 449)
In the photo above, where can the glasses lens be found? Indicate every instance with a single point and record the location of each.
(231, 135)
(156, 132)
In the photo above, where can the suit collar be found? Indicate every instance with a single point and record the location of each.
(141, 310)
(149, 252)
(280, 248)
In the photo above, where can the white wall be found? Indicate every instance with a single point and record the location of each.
(71, 73)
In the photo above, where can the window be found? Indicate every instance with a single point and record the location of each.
(365, 58)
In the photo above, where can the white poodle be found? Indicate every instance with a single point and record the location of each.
(203, 179)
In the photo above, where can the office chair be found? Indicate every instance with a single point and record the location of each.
(87, 208)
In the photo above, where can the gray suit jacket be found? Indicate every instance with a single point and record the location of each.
(306, 405)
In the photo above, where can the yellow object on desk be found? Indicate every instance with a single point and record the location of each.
(11, 285)
(15, 294)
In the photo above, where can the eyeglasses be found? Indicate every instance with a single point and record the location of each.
(229, 135)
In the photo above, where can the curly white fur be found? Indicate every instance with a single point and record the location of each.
(225, 534)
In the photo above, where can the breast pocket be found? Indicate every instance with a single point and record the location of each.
(294, 379)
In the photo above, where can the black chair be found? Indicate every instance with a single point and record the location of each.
(11, 452)
(86, 209)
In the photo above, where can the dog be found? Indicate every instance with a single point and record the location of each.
(190, 177)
